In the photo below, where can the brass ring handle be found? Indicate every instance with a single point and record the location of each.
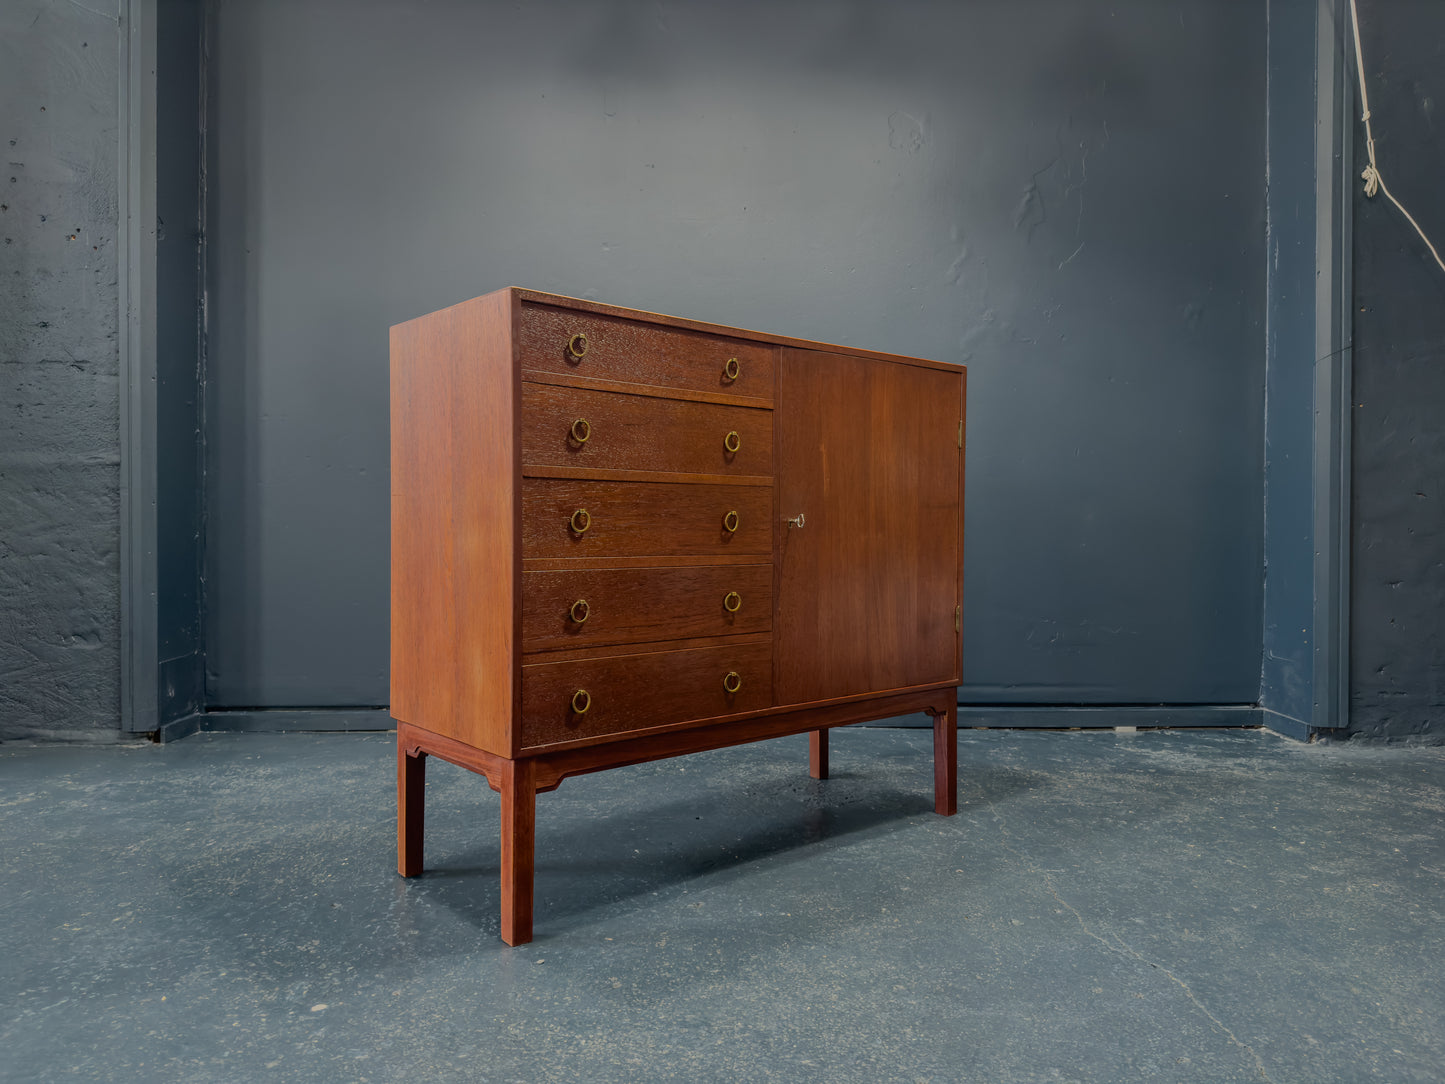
(732, 602)
(581, 520)
(580, 610)
(730, 370)
(732, 442)
(732, 682)
(577, 346)
(581, 701)
(730, 523)
(581, 430)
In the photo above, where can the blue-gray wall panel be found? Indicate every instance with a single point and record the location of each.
(1067, 196)
(1397, 670)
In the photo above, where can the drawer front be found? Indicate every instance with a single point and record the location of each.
(628, 693)
(639, 432)
(645, 519)
(584, 607)
(642, 353)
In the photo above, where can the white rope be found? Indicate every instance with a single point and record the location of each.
(1371, 176)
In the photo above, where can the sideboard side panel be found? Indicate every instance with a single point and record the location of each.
(454, 523)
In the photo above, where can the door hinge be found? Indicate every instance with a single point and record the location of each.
(960, 434)
(958, 619)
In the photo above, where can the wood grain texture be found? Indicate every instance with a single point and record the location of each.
(869, 455)
(519, 833)
(642, 605)
(635, 433)
(945, 760)
(455, 564)
(582, 305)
(630, 693)
(643, 352)
(648, 519)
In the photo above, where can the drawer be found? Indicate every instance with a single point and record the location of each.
(645, 519)
(581, 428)
(583, 607)
(627, 693)
(643, 353)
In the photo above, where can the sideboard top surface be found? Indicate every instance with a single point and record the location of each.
(603, 309)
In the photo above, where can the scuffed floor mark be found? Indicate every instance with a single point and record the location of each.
(905, 132)
(955, 269)
(1116, 944)
(1070, 257)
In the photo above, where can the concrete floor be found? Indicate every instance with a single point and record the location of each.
(1170, 905)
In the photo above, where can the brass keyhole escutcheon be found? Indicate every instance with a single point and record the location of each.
(581, 520)
(732, 682)
(581, 701)
(732, 442)
(577, 346)
(581, 430)
(732, 602)
(580, 610)
(730, 522)
(730, 370)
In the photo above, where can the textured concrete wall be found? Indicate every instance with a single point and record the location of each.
(59, 386)
(1397, 670)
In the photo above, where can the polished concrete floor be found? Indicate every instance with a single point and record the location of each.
(1165, 905)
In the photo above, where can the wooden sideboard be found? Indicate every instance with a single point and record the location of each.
(618, 536)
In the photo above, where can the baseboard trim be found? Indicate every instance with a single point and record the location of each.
(1106, 716)
(277, 721)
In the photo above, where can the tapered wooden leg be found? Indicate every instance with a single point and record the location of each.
(945, 761)
(519, 829)
(818, 754)
(410, 810)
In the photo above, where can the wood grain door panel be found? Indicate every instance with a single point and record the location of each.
(643, 605)
(647, 519)
(628, 693)
(638, 432)
(868, 454)
(643, 353)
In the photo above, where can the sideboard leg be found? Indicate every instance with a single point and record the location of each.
(519, 829)
(818, 754)
(410, 810)
(945, 761)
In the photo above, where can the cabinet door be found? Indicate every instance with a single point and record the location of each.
(868, 585)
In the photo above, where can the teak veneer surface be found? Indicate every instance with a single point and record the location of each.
(641, 605)
(849, 612)
(644, 519)
(643, 353)
(631, 693)
(637, 433)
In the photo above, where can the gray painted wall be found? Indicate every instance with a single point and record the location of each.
(59, 384)
(1066, 196)
(1398, 592)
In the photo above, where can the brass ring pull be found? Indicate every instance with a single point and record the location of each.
(580, 610)
(732, 442)
(581, 430)
(732, 602)
(730, 370)
(581, 701)
(577, 346)
(730, 522)
(581, 520)
(732, 682)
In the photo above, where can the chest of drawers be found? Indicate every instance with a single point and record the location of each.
(618, 536)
